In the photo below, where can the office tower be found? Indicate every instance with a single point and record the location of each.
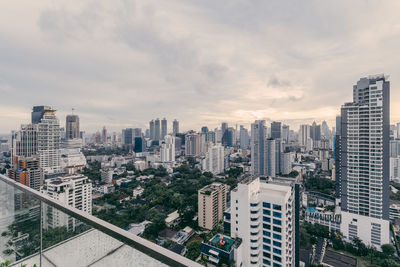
(258, 136)
(270, 157)
(204, 129)
(265, 215)
(203, 143)
(152, 130)
(37, 113)
(211, 204)
(224, 126)
(304, 135)
(325, 130)
(228, 139)
(139, 145)
(192, 144)
(104, 135)
(49, 142)
(214, 160)
(175, 127)
(127, 136)
(244, 138)
(276, 130)
(164, 129)
(315, 133)
(285, 133)
(72, 127)
(167, 150)
(365, 162)
(72, 190)
(137, 132)
(211, 137)
(157, 130)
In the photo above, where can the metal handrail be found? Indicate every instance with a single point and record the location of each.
(153, 250)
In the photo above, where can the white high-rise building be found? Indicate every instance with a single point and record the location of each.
(49, 142)
(258, 138)
(168, 149)
(263, 215)
(214, 160)
(73, 190)
(364, 162)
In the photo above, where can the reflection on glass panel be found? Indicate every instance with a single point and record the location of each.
(34, 233)
(19, 224)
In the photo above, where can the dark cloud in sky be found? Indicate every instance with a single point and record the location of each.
(121, 63)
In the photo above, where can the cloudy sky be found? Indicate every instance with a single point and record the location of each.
(122, 63)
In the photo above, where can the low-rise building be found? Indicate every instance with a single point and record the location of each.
(211, 205)
(221, 249)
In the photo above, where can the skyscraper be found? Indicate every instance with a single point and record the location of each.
(224, 126)
(157, 130)
(364, 162)
(304, 135)
(164, 128)
(192, 144)
(276, 130)
(315, 132)
(285, 133)
(325, 130)
(25, 159)
(175, 127)
(167, 150)
(270, 157)
(37, 113)
(258, 136)
(228, 139)
(214, 160)
(265, 215)
(104, 135)
(244, 138)
(152, 130)
(72, 127)
(49, 142)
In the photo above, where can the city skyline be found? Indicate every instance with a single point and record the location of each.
(124, 64)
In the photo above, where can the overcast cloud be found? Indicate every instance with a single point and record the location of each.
(123, 63)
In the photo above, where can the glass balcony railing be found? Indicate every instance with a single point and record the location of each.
(36, 230)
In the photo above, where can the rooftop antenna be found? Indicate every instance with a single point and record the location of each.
(73, 111)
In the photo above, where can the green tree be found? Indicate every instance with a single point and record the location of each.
(194, 250)
(390, 263)
(388, 249)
